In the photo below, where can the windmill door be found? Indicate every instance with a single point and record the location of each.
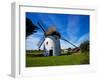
(51, 52)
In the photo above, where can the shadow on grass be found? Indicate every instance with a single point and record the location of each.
(34, 55)
(41, 55)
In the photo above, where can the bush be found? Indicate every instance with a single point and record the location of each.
(84, 46)
(68, 53)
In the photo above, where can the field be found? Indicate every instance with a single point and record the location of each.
(36, 59)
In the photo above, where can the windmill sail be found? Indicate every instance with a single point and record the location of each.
(43, 38)
(41, 42)
(42, 28)
(69, 42)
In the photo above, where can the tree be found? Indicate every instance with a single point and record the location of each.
(30, 27)
(84, 46)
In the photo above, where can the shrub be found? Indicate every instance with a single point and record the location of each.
(84, 46)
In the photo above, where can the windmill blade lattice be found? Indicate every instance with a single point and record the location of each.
(41, 27)
(69, 42)
(40, 42)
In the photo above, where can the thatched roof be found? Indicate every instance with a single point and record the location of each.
(52, 31)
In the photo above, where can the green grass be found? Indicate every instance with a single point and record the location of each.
(36, 59)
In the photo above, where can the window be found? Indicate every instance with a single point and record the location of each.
(47, 42)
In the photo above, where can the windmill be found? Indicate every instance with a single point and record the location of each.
(51, 41)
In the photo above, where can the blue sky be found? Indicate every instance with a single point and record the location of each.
(72, 27)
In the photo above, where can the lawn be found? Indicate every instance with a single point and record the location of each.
(36, 59)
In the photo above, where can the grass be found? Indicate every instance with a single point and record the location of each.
(35, 59)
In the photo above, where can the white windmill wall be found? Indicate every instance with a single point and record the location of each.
(53, 44)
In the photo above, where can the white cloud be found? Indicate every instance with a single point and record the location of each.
(73, 27)
(65, 45)
(83, 38)
(31, 42)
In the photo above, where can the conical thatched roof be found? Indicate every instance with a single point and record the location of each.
(52, 31)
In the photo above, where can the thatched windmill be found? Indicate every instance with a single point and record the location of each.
(51, 41)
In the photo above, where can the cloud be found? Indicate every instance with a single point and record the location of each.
(31, 43)
(45, 20)
(70, 27)
(83, 38)
(65, 45)
(73, 27)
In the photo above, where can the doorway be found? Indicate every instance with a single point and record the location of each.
(51, 53)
